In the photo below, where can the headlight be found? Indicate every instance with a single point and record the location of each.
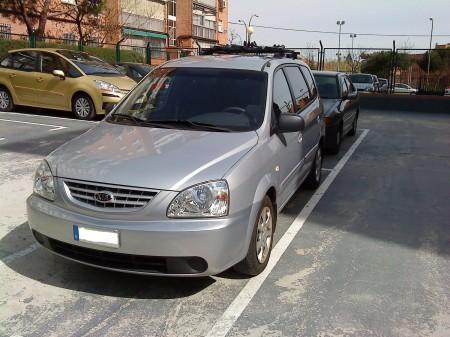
(102, 85)
(44, 183)
(209, 199)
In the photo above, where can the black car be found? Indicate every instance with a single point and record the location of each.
(341, 107)
(136, 71)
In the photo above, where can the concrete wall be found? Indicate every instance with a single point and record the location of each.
(415, 103)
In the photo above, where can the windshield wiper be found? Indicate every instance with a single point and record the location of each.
(190, 124)
(135, 120)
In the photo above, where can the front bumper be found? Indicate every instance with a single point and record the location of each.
(172, 247)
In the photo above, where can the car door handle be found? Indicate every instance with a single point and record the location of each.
(300, 137)
(12, 75)
(39, 79)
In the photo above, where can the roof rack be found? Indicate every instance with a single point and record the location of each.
(250, 49)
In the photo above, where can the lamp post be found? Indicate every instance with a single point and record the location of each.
(248, 28)
(353, 37)
(340, 24)
(429, 52)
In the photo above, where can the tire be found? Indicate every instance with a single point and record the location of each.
(83, 107)
(354, 128)
(336, 143)
(6, 100)
(313, 179)
(260, 248)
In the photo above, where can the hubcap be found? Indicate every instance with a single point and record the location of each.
(318, 164)
(264, 235)
(82, 107)
(4, 100)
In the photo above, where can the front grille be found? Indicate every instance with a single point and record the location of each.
(122, 198)
(125, 262)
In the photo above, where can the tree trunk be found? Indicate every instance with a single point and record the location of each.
(40, 32)
(26, 19)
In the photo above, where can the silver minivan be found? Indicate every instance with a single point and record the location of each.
(186, 176)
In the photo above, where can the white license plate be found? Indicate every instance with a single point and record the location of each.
(96, 236)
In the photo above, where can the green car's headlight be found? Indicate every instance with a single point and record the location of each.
(210, 199)
(44, 183)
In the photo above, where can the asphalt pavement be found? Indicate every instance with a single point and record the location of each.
(371, 259)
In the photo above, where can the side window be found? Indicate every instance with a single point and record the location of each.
(25, 60)
(299, 86)
(52, 62)
(7, 62)
(310, 81)
(49, 62)
(344, 86)
(282, 99)
(351, 88)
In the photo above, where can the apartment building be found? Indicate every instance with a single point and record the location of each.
(198, 21)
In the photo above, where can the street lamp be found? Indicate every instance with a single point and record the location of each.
(429, 53)
(340, 24)
(353, 37)
(248, 28)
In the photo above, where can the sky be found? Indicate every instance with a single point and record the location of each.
(361, 16)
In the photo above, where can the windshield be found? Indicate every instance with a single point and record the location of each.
(360, 78)
(328, 86)
(90, 65)
(181, 97)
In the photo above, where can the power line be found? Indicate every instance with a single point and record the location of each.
(336, 33)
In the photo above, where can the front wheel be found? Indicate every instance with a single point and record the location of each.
(313, 180)
(83, 107)
(6, 101)
(354, 128)
(261, 242)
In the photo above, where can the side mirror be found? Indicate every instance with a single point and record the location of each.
(290, 123)
(352, 95)
(60, 74)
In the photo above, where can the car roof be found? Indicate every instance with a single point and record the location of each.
(55, 50)
(240, 62)
(327, 73)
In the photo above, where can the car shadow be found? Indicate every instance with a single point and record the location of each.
(43, 266)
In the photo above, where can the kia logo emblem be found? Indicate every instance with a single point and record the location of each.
(104, 197)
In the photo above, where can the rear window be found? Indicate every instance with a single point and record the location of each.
(360, 78)
(328, 86)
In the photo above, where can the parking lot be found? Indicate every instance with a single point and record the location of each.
(367, 254)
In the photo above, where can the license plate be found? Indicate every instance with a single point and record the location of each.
(96, 236)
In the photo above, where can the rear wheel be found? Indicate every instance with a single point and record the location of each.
(6, 101)
(261, 242)
(314, 176)
(83, 107)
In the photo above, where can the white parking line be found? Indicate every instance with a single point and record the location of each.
(234, 311)
(22, 253)
(55, 127)
(44, 116)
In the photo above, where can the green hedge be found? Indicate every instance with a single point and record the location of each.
(106, 54)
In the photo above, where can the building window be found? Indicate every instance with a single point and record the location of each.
(203, 27)
(69, 38)
(172, 8)
(5, 31)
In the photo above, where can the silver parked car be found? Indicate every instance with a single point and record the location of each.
(186, 176)
(401, 88)
(363, 82)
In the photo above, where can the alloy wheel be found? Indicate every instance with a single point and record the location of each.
(264, 235)
(82, 107)
(4, 100)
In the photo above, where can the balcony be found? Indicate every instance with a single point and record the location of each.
(203, 32)
(142, 22)
(208, 3)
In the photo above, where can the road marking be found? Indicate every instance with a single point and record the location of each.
(44, 116)
(55, 127)
(26, 251)
(242, 300)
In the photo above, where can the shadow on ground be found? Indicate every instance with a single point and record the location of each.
(45, 267)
